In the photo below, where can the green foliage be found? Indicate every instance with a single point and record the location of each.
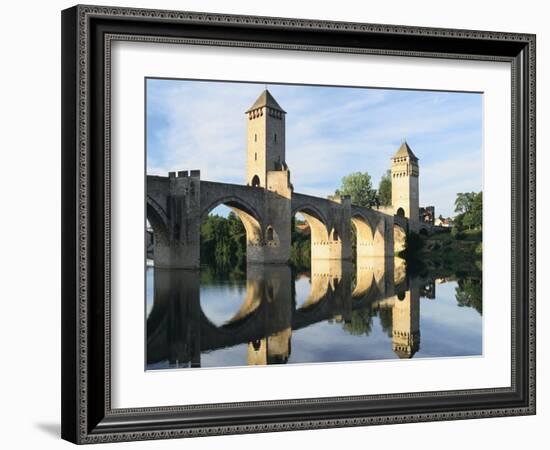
(457, 233)
(386, 320)
(358, 186)
(384, 189)
(360, 323)
(300, 250)
(223, 241)
(469, 293)
(469, 206)
(479, 249)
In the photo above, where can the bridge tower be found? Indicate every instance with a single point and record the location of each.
(404, 176)
(266, 168)
(265, 139)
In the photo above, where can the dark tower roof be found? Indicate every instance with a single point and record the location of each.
(265, 99)
(405, 150)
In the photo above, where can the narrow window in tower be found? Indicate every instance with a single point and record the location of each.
(255, 138)
(255, 157)
(275, 137)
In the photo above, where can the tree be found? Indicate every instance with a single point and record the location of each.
(476, 211)
(360, 322)
(359, 187)
(469, 207)
(223, 241)
(463, 202)
(468, 293)
(384, 189)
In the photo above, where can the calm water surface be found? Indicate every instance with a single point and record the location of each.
(334, 312)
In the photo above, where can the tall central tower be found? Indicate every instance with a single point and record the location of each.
(266, 168)
(265, 139)
(404, 183)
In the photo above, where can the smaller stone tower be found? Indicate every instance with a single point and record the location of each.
(404, 176)
(265, 139)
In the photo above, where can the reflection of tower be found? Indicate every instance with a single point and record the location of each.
(404, 176)
(276, 298)
(174, 323)
(270, 350)
(265, 139)
(406, 323)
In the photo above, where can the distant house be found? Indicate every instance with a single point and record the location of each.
(443, 222)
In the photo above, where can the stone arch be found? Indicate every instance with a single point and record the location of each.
(158, 219)
(399, 238)
(250, 218)
(255, 182)
(400, 212)
(319, 233)
(313, 211)
(369, 236)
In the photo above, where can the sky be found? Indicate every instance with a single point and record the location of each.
(330, 132)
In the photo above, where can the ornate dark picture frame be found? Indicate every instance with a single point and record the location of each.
(87, 33)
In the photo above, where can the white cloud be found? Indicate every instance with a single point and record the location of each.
(330, 133)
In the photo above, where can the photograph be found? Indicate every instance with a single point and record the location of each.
(310, 224)
(272, 222)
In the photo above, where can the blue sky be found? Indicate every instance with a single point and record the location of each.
(331, 132)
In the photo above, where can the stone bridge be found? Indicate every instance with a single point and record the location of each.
(179, 330)
(179, 203)
(266, 203)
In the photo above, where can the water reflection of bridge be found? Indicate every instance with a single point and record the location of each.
(178, 330)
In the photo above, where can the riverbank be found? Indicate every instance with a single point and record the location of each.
(460, 253)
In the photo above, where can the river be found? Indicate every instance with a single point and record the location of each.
(333, 312)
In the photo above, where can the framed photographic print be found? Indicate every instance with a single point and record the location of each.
(282, 224)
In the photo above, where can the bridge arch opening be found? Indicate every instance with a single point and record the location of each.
(255, 182)
(229, 227)
(157, 226)
(399, 238)
(369, 238)
(310, 236)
